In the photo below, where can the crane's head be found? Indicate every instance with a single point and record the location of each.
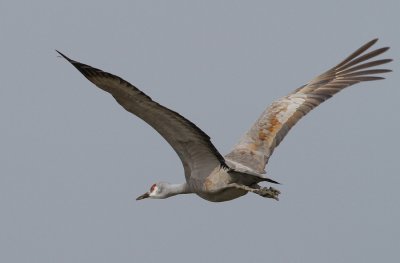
(157, 191)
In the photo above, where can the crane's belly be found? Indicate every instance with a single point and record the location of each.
(223, 195)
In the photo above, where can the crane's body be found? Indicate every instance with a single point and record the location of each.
(225, 184)
(220, 178)
(220, 185)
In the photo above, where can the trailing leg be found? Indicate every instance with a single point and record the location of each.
(262, 191)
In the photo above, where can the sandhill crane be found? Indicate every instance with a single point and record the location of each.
(209, 174)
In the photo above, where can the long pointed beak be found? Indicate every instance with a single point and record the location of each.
(143, 196)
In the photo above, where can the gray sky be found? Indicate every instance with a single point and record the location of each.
(72, 161)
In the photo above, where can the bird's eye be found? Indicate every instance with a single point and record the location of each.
(152, 188)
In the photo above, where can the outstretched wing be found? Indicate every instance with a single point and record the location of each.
(257, 145)
(193, 146)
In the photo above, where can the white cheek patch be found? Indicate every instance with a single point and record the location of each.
(154, 192)
(292, 104)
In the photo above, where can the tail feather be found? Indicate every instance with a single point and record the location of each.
(270, 181)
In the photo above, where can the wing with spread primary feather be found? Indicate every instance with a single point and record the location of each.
(257, 145)
(193, 146)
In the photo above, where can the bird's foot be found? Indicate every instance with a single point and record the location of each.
(268, 193)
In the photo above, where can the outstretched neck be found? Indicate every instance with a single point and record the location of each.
(176, 189)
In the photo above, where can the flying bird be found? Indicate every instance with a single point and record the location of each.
(220, 178)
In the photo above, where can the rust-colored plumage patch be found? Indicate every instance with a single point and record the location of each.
(274, 124)
(253, 147)
(262, 135)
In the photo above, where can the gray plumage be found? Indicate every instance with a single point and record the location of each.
(209, 174)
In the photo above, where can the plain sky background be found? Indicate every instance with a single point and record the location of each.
(72, 161)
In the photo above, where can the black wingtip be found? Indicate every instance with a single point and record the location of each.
(373, 41)
(384, 49)
(64, 56)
